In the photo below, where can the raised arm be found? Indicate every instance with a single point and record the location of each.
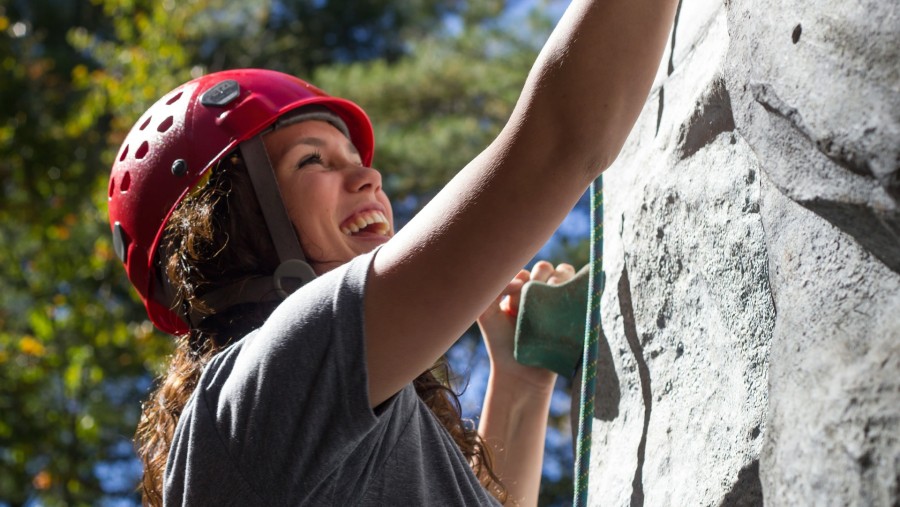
(517, 401)
(430, 282)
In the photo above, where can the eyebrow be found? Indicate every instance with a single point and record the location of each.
(316, 142)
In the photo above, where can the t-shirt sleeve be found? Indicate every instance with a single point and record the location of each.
(293, 405)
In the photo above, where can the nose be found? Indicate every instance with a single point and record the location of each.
(361, 179)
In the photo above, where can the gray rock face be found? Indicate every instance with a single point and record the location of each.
(751, 318)
(827, 80)
(833, 433)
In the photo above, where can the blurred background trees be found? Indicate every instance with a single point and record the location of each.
(77, 355)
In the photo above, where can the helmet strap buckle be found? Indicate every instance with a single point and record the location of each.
(292, 269)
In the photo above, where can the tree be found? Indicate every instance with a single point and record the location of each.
(298, 36)
(76, 350)
(69, 366)
(437, 108)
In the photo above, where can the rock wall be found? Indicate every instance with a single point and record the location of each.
(751, 317)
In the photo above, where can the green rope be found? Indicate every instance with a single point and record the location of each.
(596, 283)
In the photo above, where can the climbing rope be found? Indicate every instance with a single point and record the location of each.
(596, 282)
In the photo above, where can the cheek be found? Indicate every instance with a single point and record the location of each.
(387, 205)
(304, 203)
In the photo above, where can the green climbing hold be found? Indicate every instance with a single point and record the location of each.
(550, 325)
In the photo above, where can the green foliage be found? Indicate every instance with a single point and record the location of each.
(439, 107)
(69, 359)
(298, 36)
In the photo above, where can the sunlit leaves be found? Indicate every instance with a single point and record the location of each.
(437, 108)
(64, 303)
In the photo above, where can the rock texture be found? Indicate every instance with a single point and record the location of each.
(751, 316)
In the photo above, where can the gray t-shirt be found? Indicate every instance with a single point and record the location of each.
(282, 417)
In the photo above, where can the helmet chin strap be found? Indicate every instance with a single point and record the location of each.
(293, 270)
(292, 262)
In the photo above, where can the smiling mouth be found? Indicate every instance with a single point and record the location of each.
(367, 222)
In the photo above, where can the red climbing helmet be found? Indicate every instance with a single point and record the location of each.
(179, 139)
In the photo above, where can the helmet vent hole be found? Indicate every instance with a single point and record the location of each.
(146, 122)
(120, 242)
(142, 150)
(124, 153)
(164, 126)
(126, 182)
(174, 99)
(112, 186)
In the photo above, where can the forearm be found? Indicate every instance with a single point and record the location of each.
(514, 425)
(593, 75)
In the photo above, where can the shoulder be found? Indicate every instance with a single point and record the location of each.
(311, 347)
(339, 291)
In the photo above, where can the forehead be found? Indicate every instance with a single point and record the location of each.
(316, 133)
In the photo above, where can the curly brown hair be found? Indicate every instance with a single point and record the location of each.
(212, 240)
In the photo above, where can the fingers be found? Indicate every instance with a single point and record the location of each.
(510, 302)
(564, 273)
(543, 271)
(515, 285)
(523, 275)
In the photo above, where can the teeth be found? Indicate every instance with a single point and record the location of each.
(365, 219)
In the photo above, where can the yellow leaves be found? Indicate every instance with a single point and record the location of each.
(9, 64)
(6, 134)
(103, 250)
(41, 326)
(72, 377)
(30, 346)
(74, 486)
(87, 427)
(143, 23)
(4, 23)
(148, 93)
(81, 371)
(96, 374)
(142, 332)
(79, 74)
(59, 232)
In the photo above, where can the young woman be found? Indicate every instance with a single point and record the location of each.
(245, 209)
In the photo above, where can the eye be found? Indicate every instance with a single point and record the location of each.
(312, 158)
